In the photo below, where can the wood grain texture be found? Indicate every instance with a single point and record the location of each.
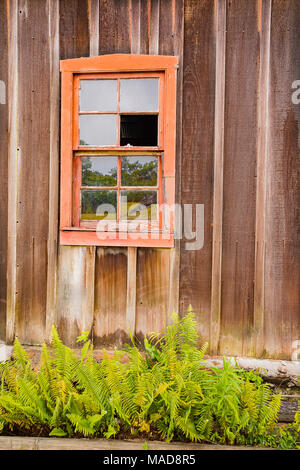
(74, 28)
(13, 152)
(216, 277)
(240, 147)
(264, 27)
(94, 27)
(75, 292)
(282, 263)
(114, 27)
(131, 289)
(110, 297)
(152, 290)
(197, 157)
(33, 171)
(4, 163)
(54, 111)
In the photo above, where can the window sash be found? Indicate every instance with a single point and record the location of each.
(78, 187)
(118, 77)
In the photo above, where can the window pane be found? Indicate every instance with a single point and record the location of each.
(139, 130)
(139, 171)
(98, 95)
(138, 205)
(98, 130)
(139, 94)
(97, 205)
(99, 171)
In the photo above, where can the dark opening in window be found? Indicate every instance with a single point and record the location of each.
(139, 130)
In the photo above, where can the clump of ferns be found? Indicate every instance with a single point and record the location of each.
(164, 391)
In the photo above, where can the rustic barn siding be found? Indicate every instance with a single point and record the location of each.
(237, 152)
(4, 164)
(198, 109)
(282, 184)
(33, 170)
(239, 173)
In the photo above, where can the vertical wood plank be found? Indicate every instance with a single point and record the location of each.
(74, 28)
(33, 171)
(114, 26)
(264, 27)
(239, 180)
(198, 149)
(52, 252)
(135, 26)
(152, 290)
(4, 165)
(154, 26)
(282, 256)
(75, 292)
(13, 150)
(131, 289)
(110, 327)
(215, 316)
(94, 27)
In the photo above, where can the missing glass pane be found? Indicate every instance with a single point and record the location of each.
(139, 171)
(99, 171)
(139, 205)
(139, 130)
(98, 205)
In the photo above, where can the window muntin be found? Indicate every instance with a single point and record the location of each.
(122, 187)
(117, 111)
(127, 111)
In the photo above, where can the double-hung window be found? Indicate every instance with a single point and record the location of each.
(118, 150)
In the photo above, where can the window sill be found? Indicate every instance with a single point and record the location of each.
(75, 236)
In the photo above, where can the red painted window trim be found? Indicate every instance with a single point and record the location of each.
(166, 66)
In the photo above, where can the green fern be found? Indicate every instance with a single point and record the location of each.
(165, 391)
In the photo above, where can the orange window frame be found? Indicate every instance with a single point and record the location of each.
(73, 231)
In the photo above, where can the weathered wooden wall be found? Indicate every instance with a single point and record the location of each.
(237, 153)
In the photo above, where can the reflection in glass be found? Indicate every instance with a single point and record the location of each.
(139, 94)
(99, 171)
(98, 95)
(139, 171)
(98, 205)
(138, 205)
(98, 129)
